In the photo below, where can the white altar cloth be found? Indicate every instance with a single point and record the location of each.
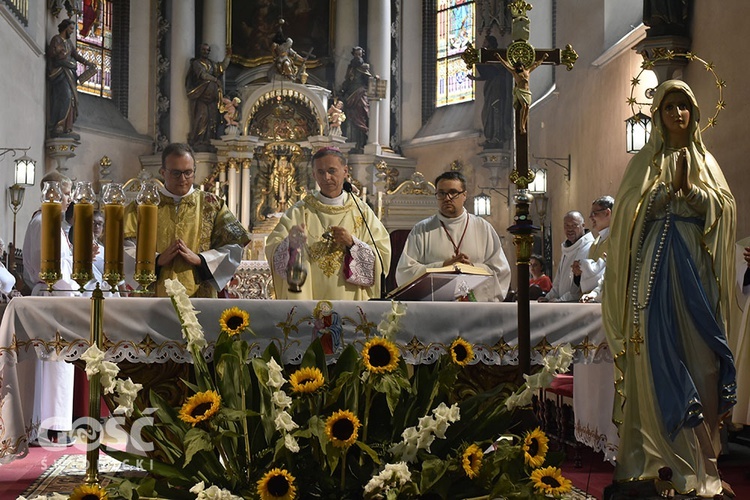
(146, 330)
(593, 397)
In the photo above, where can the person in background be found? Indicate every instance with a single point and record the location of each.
(740, 336)
(53, 385)
(454, 235)
(667, 291)
(591, 270)
(7, 280)
(539, 282)
(331, 234)
(566, 287)
(98, 253)
(199, 241)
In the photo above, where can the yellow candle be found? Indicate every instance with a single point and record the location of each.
(51, 237)
(114, 215)
(145, 254)
(83, 238)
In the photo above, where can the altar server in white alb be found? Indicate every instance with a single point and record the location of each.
(453, 235)
(566, 287)
(53, 388)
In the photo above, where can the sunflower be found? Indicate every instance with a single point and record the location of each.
(380, 355)
(472, 461)
(461, 352)
(277, 484)
(342, 428)
(89, 492)
(200, 407)
(535, 447)
(306, 380)
(550, 481)
(234, 321)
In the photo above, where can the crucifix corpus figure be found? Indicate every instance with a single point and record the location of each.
(520, 59)
(521, 89)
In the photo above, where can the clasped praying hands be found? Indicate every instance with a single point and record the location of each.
(459, 257)
(178, 247)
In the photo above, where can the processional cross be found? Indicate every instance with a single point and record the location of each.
(520, 59)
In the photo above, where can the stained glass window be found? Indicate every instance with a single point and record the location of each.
(455, 28)
(95, 44)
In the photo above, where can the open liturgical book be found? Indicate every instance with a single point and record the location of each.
(448, 283)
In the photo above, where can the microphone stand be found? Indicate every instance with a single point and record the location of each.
(348, 189)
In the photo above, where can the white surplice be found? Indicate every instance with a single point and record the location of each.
(53, 387)
(428, 246)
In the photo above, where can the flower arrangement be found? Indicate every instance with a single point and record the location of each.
(368, 426)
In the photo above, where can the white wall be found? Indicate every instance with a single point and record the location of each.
(22, 119)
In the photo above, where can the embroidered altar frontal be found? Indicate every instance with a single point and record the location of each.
(147, 330)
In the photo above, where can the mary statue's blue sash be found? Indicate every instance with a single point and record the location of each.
(676, 393)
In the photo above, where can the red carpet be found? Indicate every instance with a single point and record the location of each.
(596, 474)
(18, 475)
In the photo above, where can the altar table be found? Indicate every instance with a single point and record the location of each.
(147, 330)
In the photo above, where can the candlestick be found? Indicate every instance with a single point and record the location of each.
(49, 264)
(145, 253)
(114, 215)
(83, 232)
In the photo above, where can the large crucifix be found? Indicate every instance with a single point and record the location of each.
(520, 59)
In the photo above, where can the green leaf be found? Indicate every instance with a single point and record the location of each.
(333, 455)
(146, 487)
(391, 384)
(233, 415)
(264, 404)
(373, 454)
(154, 466)
(432, 470)
(196, 440)
(272, 351)
(348, 361)
(315, 357)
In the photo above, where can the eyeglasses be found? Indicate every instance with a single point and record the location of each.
(176, 174)
(594, 212)
(450, 195)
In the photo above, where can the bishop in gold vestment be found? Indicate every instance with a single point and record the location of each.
(339, 253)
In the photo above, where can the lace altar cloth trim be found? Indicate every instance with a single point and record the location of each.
(414, 352)
(147, 331)
(597, 440)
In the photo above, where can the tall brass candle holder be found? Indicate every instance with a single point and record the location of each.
(51, 239)
(93, 432)
(83, 233)
(145, 254)
(114, 199)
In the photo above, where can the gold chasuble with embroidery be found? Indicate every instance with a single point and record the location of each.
(334, 272)
(208, 227)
